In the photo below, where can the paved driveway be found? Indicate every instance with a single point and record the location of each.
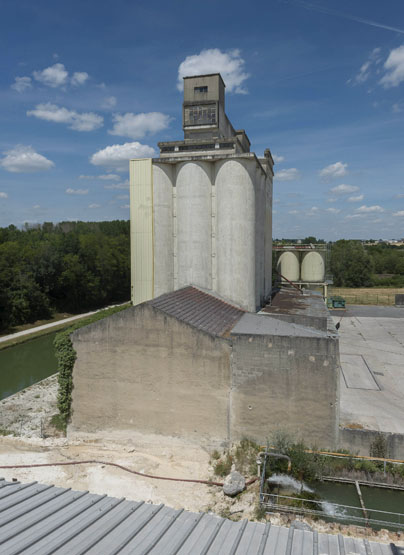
(372, 368)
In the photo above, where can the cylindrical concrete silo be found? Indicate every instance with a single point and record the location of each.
(163, 228)
(236, 231)
(313, 267)
(288, 266)
(194, 224)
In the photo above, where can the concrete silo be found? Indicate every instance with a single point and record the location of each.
(313, 267)
(205, 208)
(288, 266)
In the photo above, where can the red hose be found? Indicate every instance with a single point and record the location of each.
(207, 482)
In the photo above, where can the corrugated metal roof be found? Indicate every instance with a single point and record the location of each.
(199, 309)
(40, 519)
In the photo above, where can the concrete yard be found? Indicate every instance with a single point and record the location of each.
(372, 368)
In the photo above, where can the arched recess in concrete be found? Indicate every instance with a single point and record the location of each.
(236, 231)
(163, 228)
(194, 224)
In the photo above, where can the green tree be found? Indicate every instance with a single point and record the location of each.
(351, 265)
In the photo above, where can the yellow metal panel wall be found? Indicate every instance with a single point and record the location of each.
(141, 230)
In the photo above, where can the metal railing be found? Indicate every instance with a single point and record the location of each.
(274, 503)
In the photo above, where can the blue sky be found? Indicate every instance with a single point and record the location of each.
(86, 85)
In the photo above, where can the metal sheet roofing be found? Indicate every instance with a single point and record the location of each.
(199, 309)
(42, 519)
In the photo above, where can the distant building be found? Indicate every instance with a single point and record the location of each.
(201, 213)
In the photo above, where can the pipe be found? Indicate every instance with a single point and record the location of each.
(291, 282)
(275, 455)
(64, 463)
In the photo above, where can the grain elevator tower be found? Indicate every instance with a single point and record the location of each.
(201, 213)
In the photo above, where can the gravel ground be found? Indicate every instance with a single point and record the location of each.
(28, 412)
(23, 413)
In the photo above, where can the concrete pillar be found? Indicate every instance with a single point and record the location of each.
(194, 225)
(268, 236)
(236, 231)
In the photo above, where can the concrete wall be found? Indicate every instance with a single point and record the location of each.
(285, 383)
(140, 369)
(360, 441)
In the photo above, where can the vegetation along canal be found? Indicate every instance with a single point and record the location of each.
(26, 363)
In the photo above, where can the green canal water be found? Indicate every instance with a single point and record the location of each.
(26, 363)
(373, 498)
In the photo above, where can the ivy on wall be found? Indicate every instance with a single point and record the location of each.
(66, 357)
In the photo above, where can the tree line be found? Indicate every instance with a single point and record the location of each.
(65, 267)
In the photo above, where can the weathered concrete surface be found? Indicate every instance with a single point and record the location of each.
(144, 370)
(307, 309)
(377, 344)
(360, 442)
(288, 380)
(177, 365)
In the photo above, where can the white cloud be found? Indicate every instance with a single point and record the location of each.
(229, 64)
(332, 171)
(86, 121)
(136, 126)
(293, 212)
(24, 159)
(394, 66)
(365, 70)
(313, 211)
(71, 191)
(3, 195)
(278, 159)
(103, 177)
(358, 198)
(122, 197)
(353, 216)
(118, 156)
(123, 185)
(399, 195)
(53, 76)
(399, 213)
(108, 102)
(344, 189)
(287, 175)
(79, 78)
(333, 210)
(375, 208)
(36, 206)
(22, 84)
(109, 177)
(94, 205)
(125, 206)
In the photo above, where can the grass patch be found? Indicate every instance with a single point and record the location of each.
(243, 455)
(58, 422)
(368, 295)
(5, 432)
